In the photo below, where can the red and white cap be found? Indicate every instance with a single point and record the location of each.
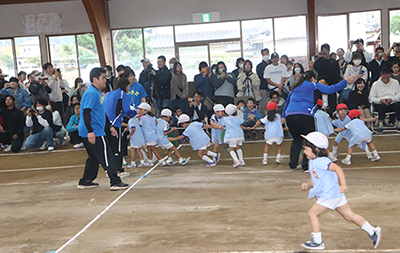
(318, 139)
(184, 118)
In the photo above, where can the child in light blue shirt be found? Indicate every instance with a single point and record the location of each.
(137, 141)
(216, 121)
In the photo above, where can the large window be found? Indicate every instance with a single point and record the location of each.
(333, 30)
(394, 26)
(366, 25)
(28, 54)
(87, 55)
(190, 57)
(227, 52)
(160, 41)
(201, 32)
(6, 58)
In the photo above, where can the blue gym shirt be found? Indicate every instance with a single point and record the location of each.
(197, 137)
(92, 100)
(136, 93)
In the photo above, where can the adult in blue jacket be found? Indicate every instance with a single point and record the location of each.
(22, 98)
(116, 105)
(203, 81)
(299, 111)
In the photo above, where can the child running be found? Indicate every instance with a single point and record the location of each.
(216, 121)
(150, 133)
(199, 140)
(137, 141)
(162, 132)
(361, 135)
(328, 186)
(234, 135)
(273, 131)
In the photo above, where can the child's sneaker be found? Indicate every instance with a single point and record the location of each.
(332, 157)
(141, 165)
(236, 164)
(242, 163)
(375, 158)
(148, 164)
(170, 162)
(124, 162)
(132, 165)
(216, 159)
(346, 161)
(211, 164)
(278, 160)
(334, 154)
(184, 161)
(123, 174)
(264, 162)
(163, 163)
(377, 236)
(313, 245)
(369, 155)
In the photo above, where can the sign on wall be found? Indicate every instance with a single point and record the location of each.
(42, 23)
(206, 17)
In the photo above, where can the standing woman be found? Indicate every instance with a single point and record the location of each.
(341, 61)
(248, 82)
(225, 85)
(203, 81)
(116, 105)
(179, 84)
(299, 111)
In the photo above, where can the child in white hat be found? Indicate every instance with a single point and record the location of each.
(216, 121)
(328, 185)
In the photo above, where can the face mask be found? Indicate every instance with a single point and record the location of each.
(214, 71)
(171, 65)
(48, 107)
(297, 70)
(107, 73)
(241, 108)
(39, 108)
(266, 57)
(241, 66)
(37, 78)
(221, 70)
(357, 62)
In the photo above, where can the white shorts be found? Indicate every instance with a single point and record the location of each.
(137, 146)
(152, 143)
(366, 139)
(332, 203)
(205, 146)
(233, 143)
(166, 146)
(277, 140)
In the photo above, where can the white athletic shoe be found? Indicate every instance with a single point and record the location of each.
(346, 161)
(124, 174)
(50, 148)
(7, 149)
(242, 163)
(79, 145)
(236, 164)
(264, 162)
(332, 157)
(132, 165)
(278, 160)
(375, 158)
(184, 161)
(163, 163)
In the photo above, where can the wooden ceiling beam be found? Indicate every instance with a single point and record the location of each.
(311, 28)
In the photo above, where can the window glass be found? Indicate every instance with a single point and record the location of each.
(227, 52)
(28, 54)
(159, 41)
(213, 31)
(333, 30)
(257, 34)
(6, 58)
(87, 52)
(367, 26)
(394, 26)
(190, 57)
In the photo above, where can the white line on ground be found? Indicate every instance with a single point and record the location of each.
(294, 251)
(44, 168)
(106, 209)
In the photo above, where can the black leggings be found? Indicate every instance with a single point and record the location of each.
(299, 124)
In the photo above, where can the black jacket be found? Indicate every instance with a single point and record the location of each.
(14, 120)
(375, 69)
(48, 116)
(162, 84)
(260, 72)
(201, 113)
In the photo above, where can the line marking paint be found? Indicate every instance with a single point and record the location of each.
(107, 208)
(296, 251)
(44, 168)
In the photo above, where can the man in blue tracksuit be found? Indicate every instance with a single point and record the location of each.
(93, 120)
(116, 105)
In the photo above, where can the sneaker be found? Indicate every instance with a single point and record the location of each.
(242, 163)
(23, 147)
(148, 164)
(211, 164)
(79, 145)
(50, 148)
(123, 174)
(346, 161)
(375, 158)
(124, 163)
(184, 161)
(87, 185)
(313, 245)
(332, 157)
(106, 174)
(162, 163)
(306, 171)
(369, 155)
(264, 162)
(120, 186)
(170, 162)
(132, 165)
(43, 147)
(141, 165)
(377, 236)
(7, 149)
(278, 160)
(334, 154)
(236, 164)
(379, 130)
(216, 159)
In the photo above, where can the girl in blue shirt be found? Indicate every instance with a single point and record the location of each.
(328, 185)
(273, 131)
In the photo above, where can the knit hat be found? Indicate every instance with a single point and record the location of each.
(145, 106)
(218, 107)
(272, 106)
(318, 139)
(354, 113)
(230, 109)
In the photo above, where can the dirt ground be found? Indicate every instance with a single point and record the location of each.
(192, 208)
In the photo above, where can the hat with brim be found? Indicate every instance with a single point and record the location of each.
(318, 139)
(145, 106)
(183, 119)
(354, 113)
(230, 109)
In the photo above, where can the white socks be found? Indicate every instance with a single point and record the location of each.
(348, 157)
(207, 159)
(181, 159)
(317, 237)
(368, 228)
(210, 153)
(240, 154)
(233, 154)
(334, 149)
(278, 156)
(375, 153)
(265, 156)
(169, 159)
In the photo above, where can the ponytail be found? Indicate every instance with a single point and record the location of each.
(304, 77)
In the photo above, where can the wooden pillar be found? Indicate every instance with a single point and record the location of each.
(311, 28)
(97, 13)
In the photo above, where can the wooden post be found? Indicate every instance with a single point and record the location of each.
(311, 28)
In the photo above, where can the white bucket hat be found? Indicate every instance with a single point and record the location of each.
(145, 106)
(318, 139)
(218, 107)
(166, 112)
(183, 119)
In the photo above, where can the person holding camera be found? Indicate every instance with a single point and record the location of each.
(53, 80)
(162, 85)
(2, 80)
(396, 50)
(22, 97)
(248, 83)
(38, 87)
(13, 130)
(366, 57)
(80, 88)
(203, 80)
(377, 64)
(198, 110)
(145, 76)
(224, 85)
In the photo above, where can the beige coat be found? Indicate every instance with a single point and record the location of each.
(179, 83)
(255, 84)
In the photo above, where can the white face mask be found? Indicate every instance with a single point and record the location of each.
(221, 70)
(357, 62)
(241, 66)
(214, 71)
(171, 65)
(266, 57)
(37, 78)
(39, 108)
(48, 107)
(297, 70)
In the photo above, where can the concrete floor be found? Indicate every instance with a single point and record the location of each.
(192, 208)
